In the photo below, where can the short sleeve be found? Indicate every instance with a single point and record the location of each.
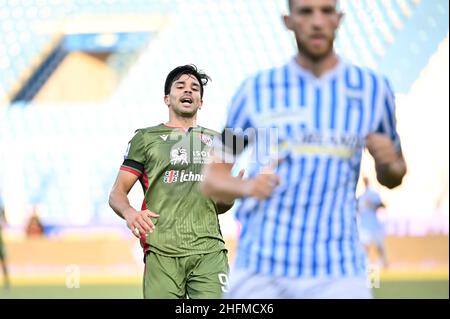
(388, 122)
(238, 109)
(135, 155)
(237, 133)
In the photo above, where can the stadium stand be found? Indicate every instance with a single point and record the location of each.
(66, 138)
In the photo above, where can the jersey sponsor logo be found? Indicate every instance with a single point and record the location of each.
(201, 157)
(179, 156)
(164, 137)
(207, 139)
(171, 176)
(343, 145)
(174, 176)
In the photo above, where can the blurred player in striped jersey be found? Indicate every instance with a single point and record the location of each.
(299, 234)
(371, 230)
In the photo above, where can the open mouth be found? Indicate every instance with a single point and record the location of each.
(186, 100)
(318, 38)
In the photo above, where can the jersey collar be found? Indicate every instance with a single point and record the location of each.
(185, 130)
(308, 74)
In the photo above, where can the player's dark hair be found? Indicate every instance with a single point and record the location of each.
(189, 69)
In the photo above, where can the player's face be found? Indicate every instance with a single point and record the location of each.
(314, 23)
(184, 98)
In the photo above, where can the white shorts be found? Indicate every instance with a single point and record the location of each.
(247, 285)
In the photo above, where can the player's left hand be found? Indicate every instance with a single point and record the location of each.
(381, 147)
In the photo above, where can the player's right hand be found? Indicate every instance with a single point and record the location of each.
(263, 184)
(139, 222)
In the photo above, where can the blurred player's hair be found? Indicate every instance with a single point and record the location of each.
(189, 69)
(290, 4)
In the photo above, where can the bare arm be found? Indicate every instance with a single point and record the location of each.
(390, 165)
(224, 206)
(118, 201)
(221, 186)
(118, 198)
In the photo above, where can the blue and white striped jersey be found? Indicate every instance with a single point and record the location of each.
(308, 226)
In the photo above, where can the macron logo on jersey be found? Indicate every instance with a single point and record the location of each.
(173, 176)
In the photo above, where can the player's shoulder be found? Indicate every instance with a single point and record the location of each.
(148, 133)
(366, 71)
(152, 129)
(263, 74)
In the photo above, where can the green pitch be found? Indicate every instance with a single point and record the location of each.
(104, 291)
(388, 289)
(412, 289)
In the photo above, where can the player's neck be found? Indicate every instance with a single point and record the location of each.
(181, 122)
(317, 67)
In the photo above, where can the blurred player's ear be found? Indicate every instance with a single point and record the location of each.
(166, 100)
(287, 21)
(340, 18)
